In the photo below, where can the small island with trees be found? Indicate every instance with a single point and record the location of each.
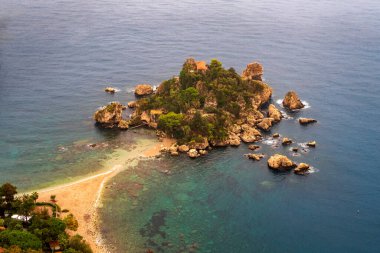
(208, 106)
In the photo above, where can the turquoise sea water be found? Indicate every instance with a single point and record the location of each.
(57, 56)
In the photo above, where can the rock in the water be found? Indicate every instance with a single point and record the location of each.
(294, 149)
(193, 153)
(256, 157)
(286, 141)
(110, 115)
(132, 104)
(265, 124)
(110, 90)
(305, 121)
(280, 162)
(276, 135)
(234, 142)
(143, 89)
(199, 145)
(253, 147)
(302, 168)
(203, 152)
(123, 124)
(183, 148)
(254, 71)
(292, 101)
(274, 113)
(312, 144)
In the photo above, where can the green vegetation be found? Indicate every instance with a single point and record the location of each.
(202, 104)
(36, 224)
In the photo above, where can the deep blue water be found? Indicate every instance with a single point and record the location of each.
(57, 56)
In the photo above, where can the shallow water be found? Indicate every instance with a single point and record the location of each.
(56, 58)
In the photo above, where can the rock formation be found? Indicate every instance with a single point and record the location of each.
(110, 115)
(286, 141)
(254, 71)
(193, 153)
(265, 124)
(256, 157)
(280, 162)
(312, 144)
(305, 121)
(143, 89)
(302, 168)
(274, 113)
(292, 101)
(110, 90)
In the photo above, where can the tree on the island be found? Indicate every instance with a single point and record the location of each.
(23, 239)
(171, 124)
(7, 196)
(71, 222)
(189, 98)
(25, 205)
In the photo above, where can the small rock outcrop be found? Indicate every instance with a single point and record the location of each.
(274, 113)
(110, 90)
(312, 144)
(143, 89)
(256, 157)
(276, 135)
(305, 121)
(302, 168)
(254, 71)
(292, 101)
(183, 148)
(280, 162)
(123, 124)
(286, 141)
(109, 116)
(265, 124)
(132, 104)
(193, 153)
(253, 147)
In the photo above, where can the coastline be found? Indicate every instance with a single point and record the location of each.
(83, 197)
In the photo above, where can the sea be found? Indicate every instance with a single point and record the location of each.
(56, 58)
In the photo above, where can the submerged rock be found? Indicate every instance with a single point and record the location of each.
(110, 115)
(253, 71)
(253, 147)
(256, 157)
(292, 101)
(302, 168)
(280, 162)
(274, 113)
(305, 121)
(143, 89)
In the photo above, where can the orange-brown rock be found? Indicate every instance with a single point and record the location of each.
(274, 113)
(280, 162)
(292, 101)
(305, 121)
(110, 115)
(143, 89)
(254, 71)
(302, 168)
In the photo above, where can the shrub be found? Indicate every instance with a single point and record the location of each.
(23, 239)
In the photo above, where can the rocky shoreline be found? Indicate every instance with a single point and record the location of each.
(206, 107)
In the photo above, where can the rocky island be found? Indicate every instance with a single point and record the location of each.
(205, 106)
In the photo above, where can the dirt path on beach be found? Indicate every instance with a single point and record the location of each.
(82, 197)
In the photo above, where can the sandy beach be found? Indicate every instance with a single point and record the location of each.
(82, 197)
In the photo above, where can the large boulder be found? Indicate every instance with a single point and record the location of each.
(254, 71)
(302, 168)
(110, 115)
(274, 113)
(265, 124)
(305, 121)
(280, 162)
(292, 101)
(143, 89)
(256, 157)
